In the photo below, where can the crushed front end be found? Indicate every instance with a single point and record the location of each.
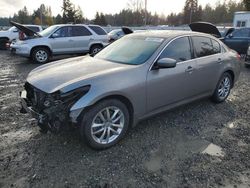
(50, 109)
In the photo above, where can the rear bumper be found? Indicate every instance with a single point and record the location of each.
(21, 50)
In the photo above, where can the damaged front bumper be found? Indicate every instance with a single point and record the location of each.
(26, 109)
(52, 111)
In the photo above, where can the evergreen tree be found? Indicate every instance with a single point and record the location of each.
(190, 11)
(247, 4)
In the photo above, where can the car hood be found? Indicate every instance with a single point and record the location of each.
(205, 27)
(55, 76)
(28, 32)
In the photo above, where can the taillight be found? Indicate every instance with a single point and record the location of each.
(238, 56)
(21, 36)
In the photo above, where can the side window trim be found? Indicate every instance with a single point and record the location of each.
(90, 33)
(166, 45)
(213, 45)
(195, 56)
(57, 30)
(188, 37)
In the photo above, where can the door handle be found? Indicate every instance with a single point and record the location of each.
(189, 69)
(70, 40)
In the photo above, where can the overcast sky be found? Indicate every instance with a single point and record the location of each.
(89, 7)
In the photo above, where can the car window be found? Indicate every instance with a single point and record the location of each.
(62, 32)
(120, 33)
(80, 31)
(203, 46)
(241, 33)
(98, 30)
(179, 50)
(33, 28)
(216, 47)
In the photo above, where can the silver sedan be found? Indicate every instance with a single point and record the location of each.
(135, 77)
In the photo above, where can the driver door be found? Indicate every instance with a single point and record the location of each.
(167, 86)
(61, 41)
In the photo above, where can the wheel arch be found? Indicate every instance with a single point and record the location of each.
(96, 44)
(5, 38)
(40, 46)
(232, 75)
(119, 97)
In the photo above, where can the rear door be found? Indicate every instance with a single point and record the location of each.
(209, 62)
(171, 85)
(82, 37)
(238, 40)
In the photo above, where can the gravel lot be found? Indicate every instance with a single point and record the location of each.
(172, 149)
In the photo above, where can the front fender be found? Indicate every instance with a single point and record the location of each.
(90, 99)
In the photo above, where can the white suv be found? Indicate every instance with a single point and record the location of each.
(13, 34)
(61, 39)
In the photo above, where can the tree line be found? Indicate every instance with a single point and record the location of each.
(134, 14)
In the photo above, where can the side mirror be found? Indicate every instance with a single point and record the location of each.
(54, 35)
(165, 63)
(15, 31)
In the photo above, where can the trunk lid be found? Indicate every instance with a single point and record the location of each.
(205, 27)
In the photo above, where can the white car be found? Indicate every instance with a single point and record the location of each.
(13, 34)
(61, 39)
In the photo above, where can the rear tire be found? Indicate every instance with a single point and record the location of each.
(40, 55)
(3, 42)
(105, 124)
(223, 88)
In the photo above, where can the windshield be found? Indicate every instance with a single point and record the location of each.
(48, 31)
(13, 28)
(132, 50)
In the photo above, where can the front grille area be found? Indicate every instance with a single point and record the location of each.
(35, 97)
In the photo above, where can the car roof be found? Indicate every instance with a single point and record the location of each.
(61, 25)
(168, 33)
(32, 25)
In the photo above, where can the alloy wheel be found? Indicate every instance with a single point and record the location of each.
(224, 88)
(41, 56)
(107, 125)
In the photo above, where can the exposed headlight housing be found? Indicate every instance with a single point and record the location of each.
(74, 95)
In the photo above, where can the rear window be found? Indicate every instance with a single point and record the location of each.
(80, 31)
(203, 46)
(98, 30)
(216, 47)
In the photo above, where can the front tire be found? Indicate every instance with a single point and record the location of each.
(40, 55)
(223, 88)
(105, 124)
